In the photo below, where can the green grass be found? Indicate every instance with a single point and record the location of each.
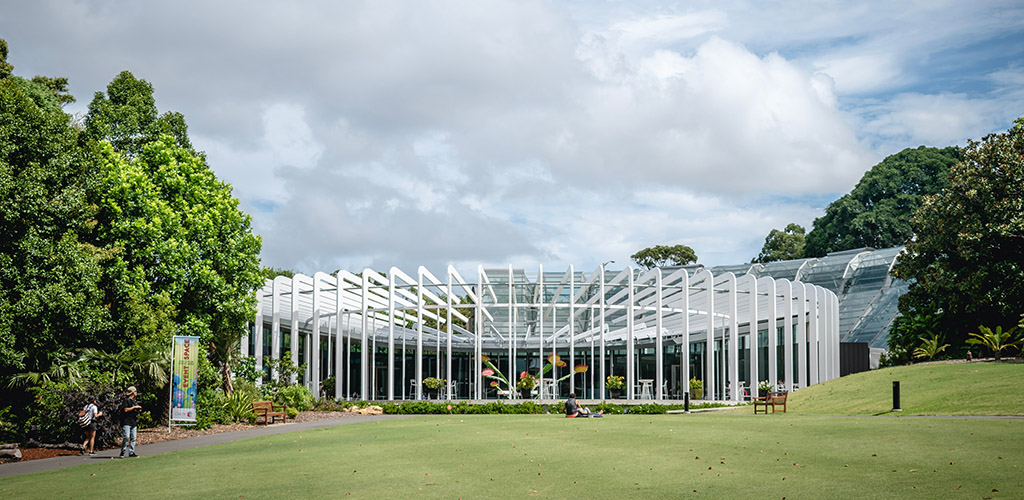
(547, 456)
(811, 452)
(926, 389)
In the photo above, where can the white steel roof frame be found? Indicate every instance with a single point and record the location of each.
(631, 308)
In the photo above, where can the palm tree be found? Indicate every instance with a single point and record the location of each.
(147, 364)
(64, 368)
(996, 340)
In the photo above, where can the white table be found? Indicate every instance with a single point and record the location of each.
(645, 388)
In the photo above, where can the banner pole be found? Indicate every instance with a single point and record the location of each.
(170, 387)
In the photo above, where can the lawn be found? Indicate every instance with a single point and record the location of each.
(925, 389)
(546, 456)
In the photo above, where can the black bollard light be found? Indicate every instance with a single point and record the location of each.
(896, 396)
(686, 401)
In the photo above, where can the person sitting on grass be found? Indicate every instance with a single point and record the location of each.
(573, 409)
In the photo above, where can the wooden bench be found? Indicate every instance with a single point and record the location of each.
(269, 411)
(773, 400)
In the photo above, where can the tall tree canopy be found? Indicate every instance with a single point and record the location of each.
(49, 299)
(184, 249)
(127, 117)
(664, 255)
(967, 260)
(877, 212)
(782, 245)
(111, 239)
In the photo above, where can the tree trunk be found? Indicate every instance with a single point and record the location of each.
(225, 373)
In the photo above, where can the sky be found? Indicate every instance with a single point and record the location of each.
(404, 133)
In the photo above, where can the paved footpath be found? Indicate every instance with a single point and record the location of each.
(45, 464)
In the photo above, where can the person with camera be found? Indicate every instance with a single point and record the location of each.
(129, 422)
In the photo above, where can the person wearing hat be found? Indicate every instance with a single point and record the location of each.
(129, 421)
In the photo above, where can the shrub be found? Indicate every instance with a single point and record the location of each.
(60, 423)
(210, 408)
(327, 386)
(245, 370)
(295, 396)
(239, 406)
(146, 420)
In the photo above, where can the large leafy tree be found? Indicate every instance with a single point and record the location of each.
(664, 255)
(186, 257)
(49, 299)
(185, 250)
(966, 259)
(877, 212)
(782, 245)
(127, 116)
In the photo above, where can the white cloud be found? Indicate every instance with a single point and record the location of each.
(658, 31)
(395, 133)
(286, 141)
(861, 73)
(724, 113)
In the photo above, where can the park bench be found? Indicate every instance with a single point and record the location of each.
(269, 411)
(773, 400)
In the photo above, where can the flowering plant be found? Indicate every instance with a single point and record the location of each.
(526, 381)
(433, 383)
(614, 382)
(498, 379)
(764, 386)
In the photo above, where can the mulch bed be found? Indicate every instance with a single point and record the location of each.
(160, 434)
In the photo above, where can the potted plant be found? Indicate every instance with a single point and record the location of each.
(432, 385)
(763, 387)
(614, 384)
(696, 388)
(526, 384)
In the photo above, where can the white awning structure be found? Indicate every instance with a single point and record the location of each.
(380, 334)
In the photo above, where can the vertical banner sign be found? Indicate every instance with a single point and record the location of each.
(184, 377)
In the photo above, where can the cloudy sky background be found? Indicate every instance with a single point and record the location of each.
(380, 133)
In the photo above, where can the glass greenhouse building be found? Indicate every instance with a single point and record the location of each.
(379, 335)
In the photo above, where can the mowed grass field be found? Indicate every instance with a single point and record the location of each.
(708, 455)
(978, 388)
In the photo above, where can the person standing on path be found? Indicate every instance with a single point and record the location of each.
(129, 422)
(91, 411)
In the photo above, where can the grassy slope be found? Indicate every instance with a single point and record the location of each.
(927, 389)
(546, 456)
